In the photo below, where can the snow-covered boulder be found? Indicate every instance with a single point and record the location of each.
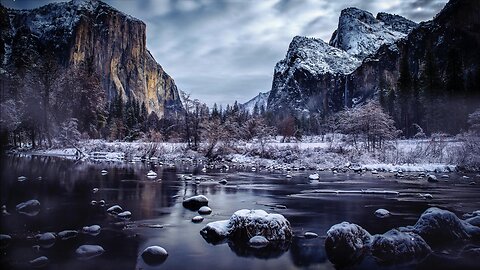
(244, 223)
(395, 246)
(205, 210)
(116, 209)
(86, 252)
(21, 178)
(432, 178)
(91, 230)
(5, 240)
(475, 221)
(125, 215)
(151, 174)
(197, 219)
(154, 255)
(314, 176)
(195, 202)
(39, 262)
(29, 208)
(346, 243)
(437, 225)
(382, 213)
(258, 241)
(67, 234)
(216, 231)
(223, 181)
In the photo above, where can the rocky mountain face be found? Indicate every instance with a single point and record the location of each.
(405, 65)
(259, 101)
(112, 43)
(312, 77)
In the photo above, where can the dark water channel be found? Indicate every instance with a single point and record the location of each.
(65, 192)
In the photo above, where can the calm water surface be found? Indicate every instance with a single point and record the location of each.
(158, 217)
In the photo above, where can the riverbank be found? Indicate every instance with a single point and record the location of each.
(311, 153)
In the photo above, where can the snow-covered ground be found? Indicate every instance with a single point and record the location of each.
(311, 153)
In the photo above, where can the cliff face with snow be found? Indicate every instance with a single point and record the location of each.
(313, 75)
(92, 32)
(260, 101)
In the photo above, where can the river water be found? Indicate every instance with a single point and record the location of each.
(65, 192)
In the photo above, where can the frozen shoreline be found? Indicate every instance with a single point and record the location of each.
(310, 154)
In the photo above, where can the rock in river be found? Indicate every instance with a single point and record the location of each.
(195, 202)
(29, 208)
(346, 243)
(154, 255)
(86, 252)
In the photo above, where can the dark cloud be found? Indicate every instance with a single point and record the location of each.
(225, 50)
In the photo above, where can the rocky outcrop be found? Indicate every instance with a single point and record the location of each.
(92, 33)
(313, 77)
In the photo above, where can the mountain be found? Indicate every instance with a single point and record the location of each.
(311, 78)
(360, 34)
(89, 33)
(259, 101)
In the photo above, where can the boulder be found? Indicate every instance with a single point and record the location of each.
(39, 262)
(86, 252)
(91, 230)
(382, 213)
(195, 202)
(154, 255)
(5, 240)
(432, 178)
(116, 209)
(346, 243)
(258, 241)
(67, 234)
(197, 219)
(205, 210)
(396, 246)
(29, 208)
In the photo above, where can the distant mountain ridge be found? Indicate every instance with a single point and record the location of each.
(260, 101)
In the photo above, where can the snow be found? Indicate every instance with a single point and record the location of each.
(398, 246)
(410, 167)
(195, 202)
(346, 243)
(154, 255)
(29, 208)
(92, 230)
(216, 231)
(310, 235)
(258, 241)
(437, 225)
(86, 252)
(205, 210)
(314, 176)
(382, 213)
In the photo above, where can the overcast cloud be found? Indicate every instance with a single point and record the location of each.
(222, 51)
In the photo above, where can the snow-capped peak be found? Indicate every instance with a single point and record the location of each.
(259, 100)
(86, 4)
(316, 57)
(361, 34)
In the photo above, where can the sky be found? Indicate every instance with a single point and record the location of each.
(220, 51)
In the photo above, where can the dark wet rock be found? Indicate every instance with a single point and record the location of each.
(195, 202)
(46, 240)
(39, 262)
(67, 234)
(5, 240)
(29, 208)
(258, 241)
(382, 213)
(205, 210)
(396, 246)
(439, 226)
(86, 252)
(346, 243)
(154, 255)
(223, 182)
(91, 230)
